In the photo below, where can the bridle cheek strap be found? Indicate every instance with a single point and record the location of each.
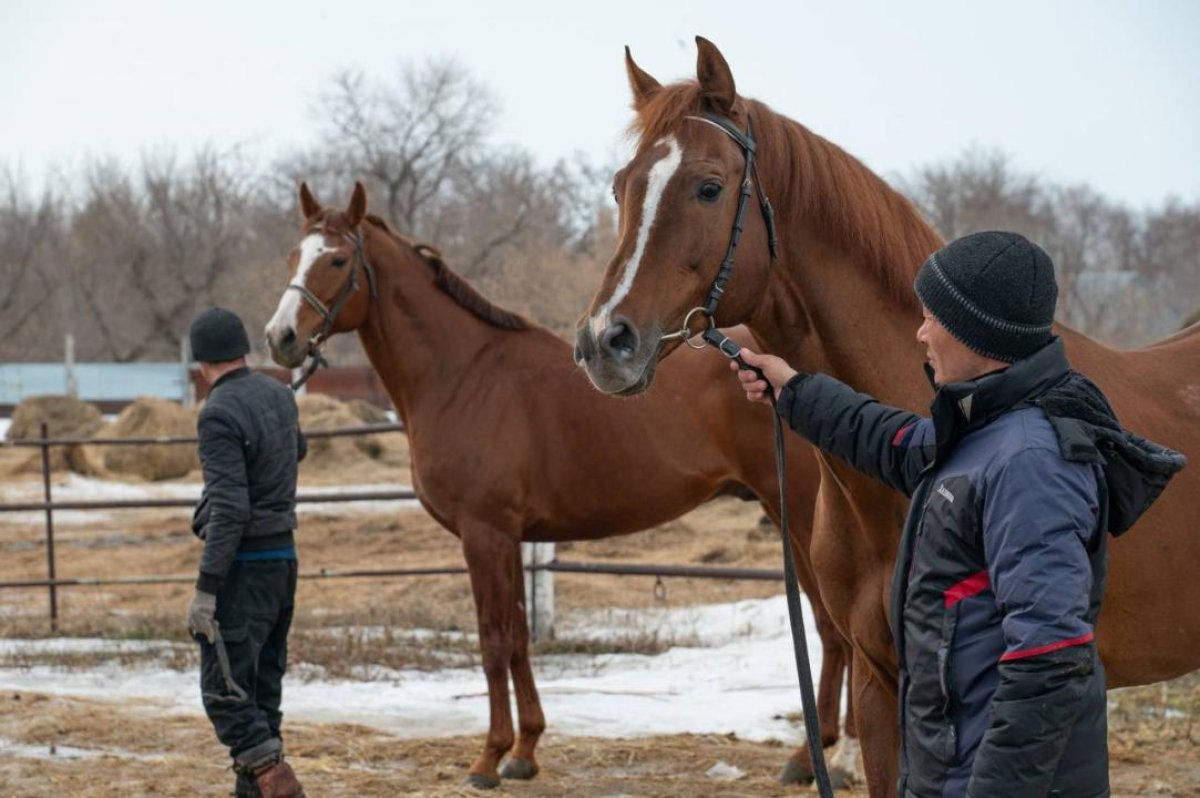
(330, 314)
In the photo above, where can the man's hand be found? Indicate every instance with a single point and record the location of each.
(776, 370)
(201, 618)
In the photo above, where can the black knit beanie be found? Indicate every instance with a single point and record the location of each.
(994, 292)
(218, 335)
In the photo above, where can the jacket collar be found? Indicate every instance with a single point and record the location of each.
(960, 407)
(230, 376)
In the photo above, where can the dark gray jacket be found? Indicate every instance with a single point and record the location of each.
(1001, 568)
(250, 447)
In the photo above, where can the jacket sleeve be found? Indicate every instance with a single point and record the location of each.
(301, 445)
(223, 458)
(887, 443)
(1040, 515)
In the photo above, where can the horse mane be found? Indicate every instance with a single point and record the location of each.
(824, 184)
(455, 286)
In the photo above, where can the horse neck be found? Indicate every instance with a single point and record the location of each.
(830, 306)
(418, 339)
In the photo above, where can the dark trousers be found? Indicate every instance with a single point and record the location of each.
(254, 612)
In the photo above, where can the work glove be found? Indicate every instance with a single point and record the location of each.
(202, 616)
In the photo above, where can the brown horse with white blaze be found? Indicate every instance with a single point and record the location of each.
(838, 299)
(509, 443)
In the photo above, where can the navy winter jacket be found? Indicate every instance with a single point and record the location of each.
(1001, 567)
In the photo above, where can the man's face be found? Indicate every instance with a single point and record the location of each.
(952, 360)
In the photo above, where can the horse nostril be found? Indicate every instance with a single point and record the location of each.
(620, 340)
(288, 338)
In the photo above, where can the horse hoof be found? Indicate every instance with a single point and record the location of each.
(840, 779)
(523, 769)
(481, 782)
(797, 771)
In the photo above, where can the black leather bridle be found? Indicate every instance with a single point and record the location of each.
(330, 314)
(750, 185)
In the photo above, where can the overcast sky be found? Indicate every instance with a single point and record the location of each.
(1101, 92)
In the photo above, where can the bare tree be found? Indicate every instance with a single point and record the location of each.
(408, 137)
(29, 280)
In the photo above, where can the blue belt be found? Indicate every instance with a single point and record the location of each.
(286, 553)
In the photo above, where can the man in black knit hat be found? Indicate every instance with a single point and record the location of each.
(250, 445)
(1015, 478)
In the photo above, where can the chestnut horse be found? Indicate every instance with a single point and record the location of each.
(509, 443)
(838, 299)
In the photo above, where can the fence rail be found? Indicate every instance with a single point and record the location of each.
(366, 429)
(540, 559)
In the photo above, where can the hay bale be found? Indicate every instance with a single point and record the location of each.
(66, 417)
(150, 416)
(321, 412)
(368, 413)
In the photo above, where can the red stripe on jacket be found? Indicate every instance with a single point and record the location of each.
(1046, 649)
(971, 586)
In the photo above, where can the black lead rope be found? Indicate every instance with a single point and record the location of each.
(730, 348)
(808, 700)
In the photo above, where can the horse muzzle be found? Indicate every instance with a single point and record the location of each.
(617, 359)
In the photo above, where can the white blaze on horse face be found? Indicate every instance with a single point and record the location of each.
(311, 249)
(656, 183)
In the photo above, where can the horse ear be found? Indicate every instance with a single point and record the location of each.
(644, 86)
(357, 208)
(716, 79)
(309, 207)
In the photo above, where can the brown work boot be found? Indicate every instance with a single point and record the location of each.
(278, 780)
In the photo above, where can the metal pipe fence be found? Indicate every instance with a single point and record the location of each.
(52, 583)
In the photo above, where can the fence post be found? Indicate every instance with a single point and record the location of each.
(539, 590)
(49, 527)
(187, 393)
(69, 366)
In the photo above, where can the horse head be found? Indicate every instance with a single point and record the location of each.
(681, 197)
(331, 281)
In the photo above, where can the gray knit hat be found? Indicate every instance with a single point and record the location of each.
(994, 292)
(218, 335)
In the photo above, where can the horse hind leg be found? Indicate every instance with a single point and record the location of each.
(532, 722)
(491, 557)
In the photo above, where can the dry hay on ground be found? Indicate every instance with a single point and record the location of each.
(66, 417)
(321, 412)
(142, 747)
(151, 417)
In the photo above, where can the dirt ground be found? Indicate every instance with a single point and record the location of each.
(139, 748)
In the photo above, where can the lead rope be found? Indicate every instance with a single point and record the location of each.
(808, 700)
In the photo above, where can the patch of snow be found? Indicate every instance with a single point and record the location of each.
(740, 678)
(73, 487)
(723, 771)
(55, 751)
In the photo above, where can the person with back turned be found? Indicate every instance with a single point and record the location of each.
(250, 447)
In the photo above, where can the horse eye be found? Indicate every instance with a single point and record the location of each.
(709, 191)
(338, 261)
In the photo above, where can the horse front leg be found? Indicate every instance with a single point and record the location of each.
(876, 716)
(491, 557)
(532, 722)
(798, 769)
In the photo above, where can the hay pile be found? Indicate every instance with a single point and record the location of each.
(146, 417)
(321, 412)
(67, 417)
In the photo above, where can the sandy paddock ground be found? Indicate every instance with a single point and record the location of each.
(68, 745)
